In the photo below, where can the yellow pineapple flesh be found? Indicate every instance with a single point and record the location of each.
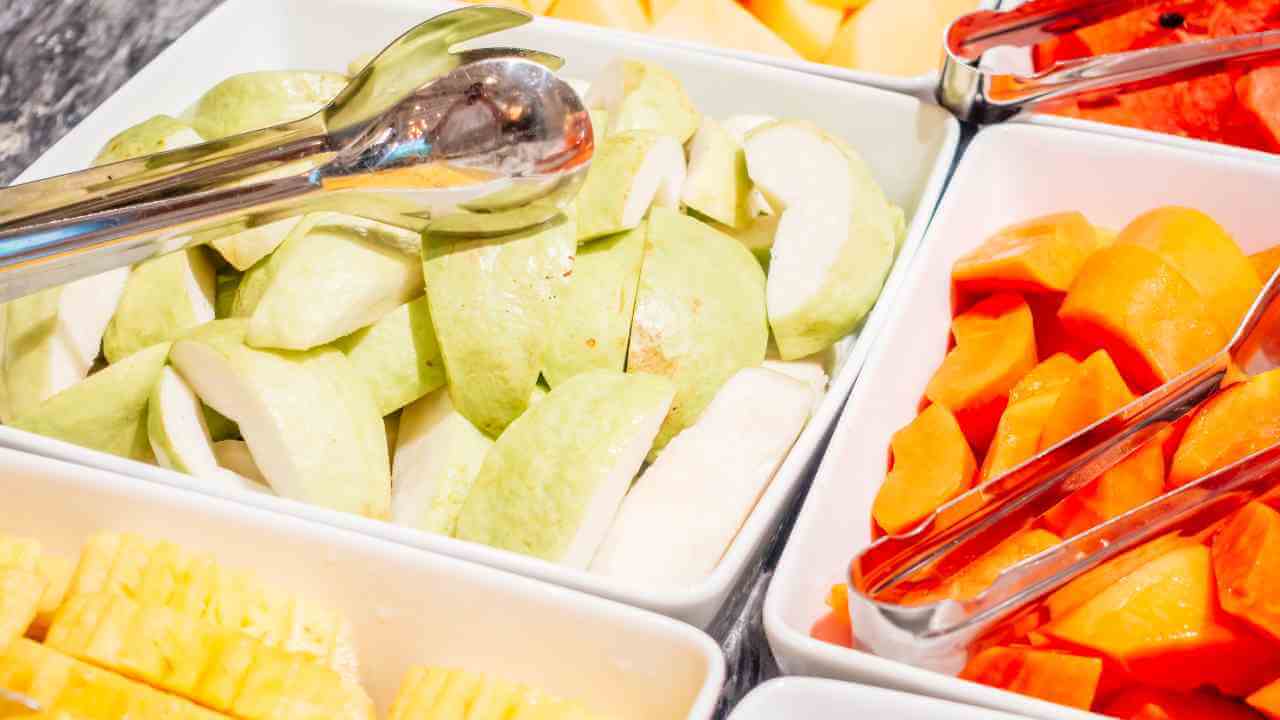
(20, 593)
(444, 694)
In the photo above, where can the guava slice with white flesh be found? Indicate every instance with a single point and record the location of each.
(631, 172)
(52, 338)
(685, 510)
(333, 275)
(234, 456)
(739, 125)
(176, 427)
(492, 304)
(106, 411)
(309, 420)
(398, 356)
(554, 479)
(757, 236)
(245, 248)
(700, 313)
(643, 96)
(438, 455)
(716, 185)
(150, 136)
(164, 297)
(596, 307)
(254, 100)
(814, 370)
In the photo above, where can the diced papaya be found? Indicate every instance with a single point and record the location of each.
(1267, 700)
(1079, 591)
(1136, 480)
(982, 572)
(1246, 563)
(932, 463)
(835, 627)
(1031, 402)
(1144, 703)
(1098, 391)
(1070, 680)
(1204, 254)
(1259, 93)
(995, 347)
(1266, 262)
(1239, 421)
(1139, 308)
(1226, 656)
(1166, 604)
(1040, 255)
(1052, 337)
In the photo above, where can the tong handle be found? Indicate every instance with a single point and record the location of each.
(1030, 23)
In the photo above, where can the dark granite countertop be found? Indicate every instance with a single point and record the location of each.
(60, 58)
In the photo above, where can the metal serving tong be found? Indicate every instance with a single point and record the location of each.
(986, 88)
(498, 117)
(895, 582)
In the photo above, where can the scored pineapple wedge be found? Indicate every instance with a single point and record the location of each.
(214, 666)
(447, 693)
(54, 571)
(20, 592)
(162, 574)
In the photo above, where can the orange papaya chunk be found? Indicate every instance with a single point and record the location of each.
(1040, 255)
(1137, 306)
(1267, 700)
(982, 572)
(1082, 589)
(1259, 93)
(1070, 680)
(932, 463)
(1239, 421)
(1136, 480)
(1163, 605)
(995, 347)
(1203, 253)
(1246, 563)
(1052, 336)
(1031, 401)
(1266, 262)
(1144, 703)
(1097, 391)
(1227, 656)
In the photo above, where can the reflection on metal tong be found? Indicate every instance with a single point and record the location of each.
(513, 140)
(893, 599)
(987, 88)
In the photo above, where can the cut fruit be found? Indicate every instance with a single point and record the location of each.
(1084, 588)
(717, 185)
(700, 313)
(1266, 262)
(154, 135)
(808, 26)
(794, 162)
(1143, 703)
(398, 356)
(977, 576)
(642, 96)
(163, 298)
(226, 285)
(53, 337)
(1138, 479)
(1203, 253)
(492, 304)
(740, 125)
(1031, 402)
(1239, 421)
(245, 248)
(441, 693)
(308, 417)
(552, 483)
(896, 37)
(1267, 700)
(1095, 393)
(1040, 255)
(20, 595)
(1069, 680)
(1137, 306)
(620, 14)
(333, 275)
(438, 455)
(995, 348)
(631, 171)
(725, 460)
(258, 99)
(234, 455)
(107, 411)
(722, 23)
(176, 427)
(757, 236)
(932, 463)
(1244, 553)
(593, 325)
(811, 371)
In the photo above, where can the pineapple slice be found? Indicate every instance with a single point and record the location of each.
(20, 593)
(56, 571)
(68, 688)
(21, 553)
(95, 565)
(194, 658)
(461, 695)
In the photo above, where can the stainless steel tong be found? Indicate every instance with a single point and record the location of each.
(937, 635)
(498, 116)
(984, 87)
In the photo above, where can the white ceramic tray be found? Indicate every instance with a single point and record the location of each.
(407, 607)
(910, 146)
(816, 699)
(1009, 173)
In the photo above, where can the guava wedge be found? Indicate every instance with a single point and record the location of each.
(643, 96)
(254, 100)
(398, 356)
(164, 297)
(631, 172)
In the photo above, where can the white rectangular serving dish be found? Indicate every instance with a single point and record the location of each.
(1009, 173)
(909, 145)
(818, 699)
(407, 607)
